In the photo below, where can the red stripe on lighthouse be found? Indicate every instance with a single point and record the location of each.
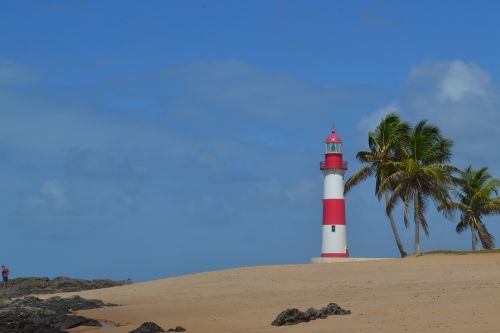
(334, 255)
(334, 161)
(333, 211)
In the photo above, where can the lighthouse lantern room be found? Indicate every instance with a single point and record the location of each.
(334, 224)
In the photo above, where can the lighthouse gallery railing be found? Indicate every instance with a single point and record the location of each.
(322, 165)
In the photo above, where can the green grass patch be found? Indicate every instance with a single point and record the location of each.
(462, 252)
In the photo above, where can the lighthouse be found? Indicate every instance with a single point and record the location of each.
(334, 243)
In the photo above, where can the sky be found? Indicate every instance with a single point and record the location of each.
(151, 139)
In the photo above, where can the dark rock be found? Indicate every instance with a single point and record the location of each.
(176, 329)
(334, 309)
(34, 315)
(294, 316)
(311, 314)
(289, 317)
(74, 303)
(148, 327)
(42, 285)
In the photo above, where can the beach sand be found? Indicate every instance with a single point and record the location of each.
(431, 293)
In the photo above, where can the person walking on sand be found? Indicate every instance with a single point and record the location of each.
(5, 276)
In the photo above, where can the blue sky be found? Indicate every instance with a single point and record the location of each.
(149, 139)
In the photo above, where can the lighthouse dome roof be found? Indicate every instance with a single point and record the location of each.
(333, 138)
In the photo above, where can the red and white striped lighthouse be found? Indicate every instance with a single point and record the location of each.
(334, 226)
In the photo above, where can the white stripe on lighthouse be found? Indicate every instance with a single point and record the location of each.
(334, 241)
(333, 184)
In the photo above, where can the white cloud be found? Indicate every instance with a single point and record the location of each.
(55, 193)
(52, 197)
(206, 133)
(461, 79)
(370, 121)
(449, 81)
(461, 99)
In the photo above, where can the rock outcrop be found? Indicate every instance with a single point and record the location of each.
(295, 316)
(43, 285)
(54, 315)
(150, 327)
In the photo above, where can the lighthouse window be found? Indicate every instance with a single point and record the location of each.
(333, 147)
(333, 228)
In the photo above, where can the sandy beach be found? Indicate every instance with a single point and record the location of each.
(432, 293)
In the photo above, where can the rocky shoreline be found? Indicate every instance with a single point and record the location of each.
(43, 285)
(21, 313)
(54, 315)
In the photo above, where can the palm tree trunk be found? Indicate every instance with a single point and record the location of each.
(417, 224)
(474, 239)
(395, 232)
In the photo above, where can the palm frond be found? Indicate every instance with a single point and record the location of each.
(358, 177)
(461, 226)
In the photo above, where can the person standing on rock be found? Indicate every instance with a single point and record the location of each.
(5, 276)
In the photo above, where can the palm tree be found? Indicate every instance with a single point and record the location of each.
(474, 191)
(383, 143)
(421, 174)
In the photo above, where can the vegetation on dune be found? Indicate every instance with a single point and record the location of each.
(483, 251)
(384, 143)
(420, 175)
(411, 165)
(474, 192)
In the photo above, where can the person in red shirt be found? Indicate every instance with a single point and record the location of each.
(5, 276)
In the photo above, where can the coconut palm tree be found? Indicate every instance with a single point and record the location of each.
(383, 143)
(474, 192)
(420, 175)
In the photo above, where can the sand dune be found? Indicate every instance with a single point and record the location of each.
(433, 293)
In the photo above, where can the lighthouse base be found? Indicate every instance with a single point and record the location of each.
(323, 260)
